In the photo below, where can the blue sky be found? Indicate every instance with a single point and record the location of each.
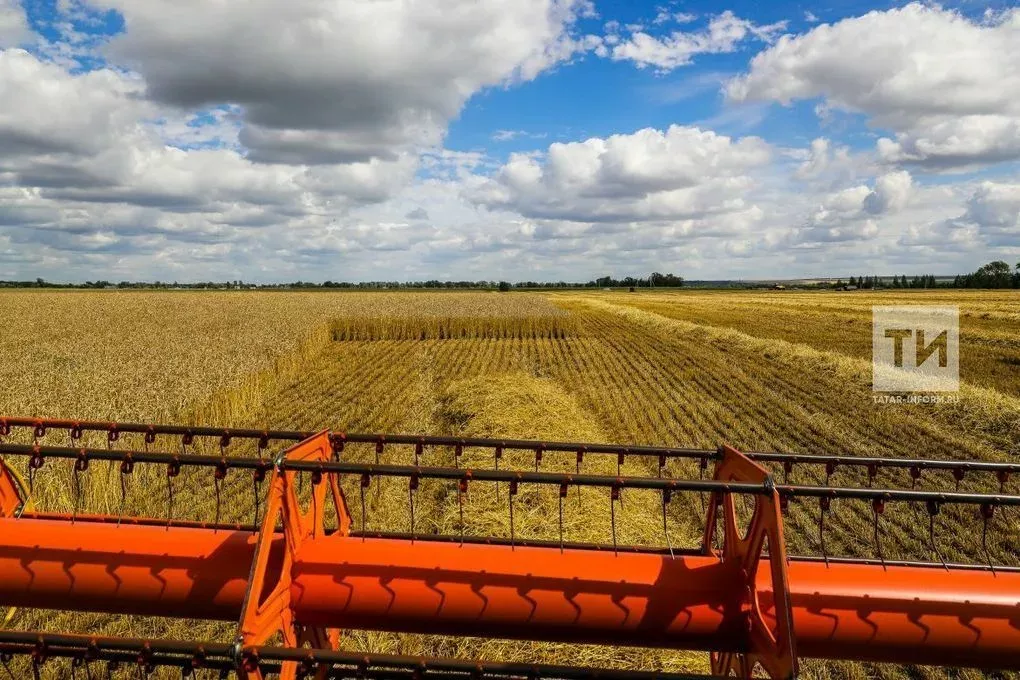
(555, 139)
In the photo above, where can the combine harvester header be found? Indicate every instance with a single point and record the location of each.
(303, 573)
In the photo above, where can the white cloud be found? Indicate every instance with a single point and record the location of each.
(326, 82)
(509, 135)
(84, 156)
(989, 223)
(850, 214)
(680, 173)
(723, 34)
(665, 15)
(13, 25)
(891, 193)
(45, 109)
(827, 164)
(947, 86)
(994, 208)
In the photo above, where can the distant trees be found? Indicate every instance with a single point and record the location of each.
(656, 280)
(996, 274)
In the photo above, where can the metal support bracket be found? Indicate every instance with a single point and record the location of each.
(267, 611)
(771, 647)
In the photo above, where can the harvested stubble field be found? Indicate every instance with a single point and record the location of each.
(760, 371)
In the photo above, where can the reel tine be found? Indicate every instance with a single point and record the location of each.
(580, 459)
(38, 655)
(702, 466)
(830, 469)
(366, 481)
(823, 506)
(34, 463)
(987, 512)
(614, 495)
(127, 466)
(378, 458)
(562, 495)
(412, 486)
(666, 496)
(462, 488)
(497, 453)
(513, 492)
(170, 474)
(877, 508)
(258, 475)
(933, 510)
(81, 464)
(958, 476)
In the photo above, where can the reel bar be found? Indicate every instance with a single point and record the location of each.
(114, 429)
(343, 664)
(788, 491)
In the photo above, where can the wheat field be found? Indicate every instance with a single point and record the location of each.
(761, 371)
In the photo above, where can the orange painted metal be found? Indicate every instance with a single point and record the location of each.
(267, 608)
(10, 494)
(896, 614)
(770, 643)
(839, 611)
(907, 614)
(147, 570)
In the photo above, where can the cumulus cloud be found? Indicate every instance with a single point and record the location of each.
(947, 86)
(46, 109)
(994, 210)
(85, 165)
(850, 214)
(13, 25)
(679, 173)
(325, 82)
(891, 193)
(723, 34)
(990, 219)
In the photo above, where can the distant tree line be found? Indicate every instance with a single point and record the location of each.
(993, 275)
(997, 274)
(656, 279)
(871, 282)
